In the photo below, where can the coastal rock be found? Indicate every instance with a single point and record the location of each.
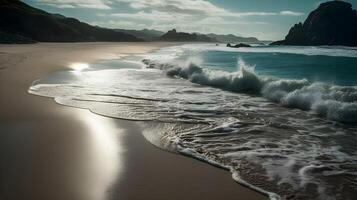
(238, 45)
(332, 23)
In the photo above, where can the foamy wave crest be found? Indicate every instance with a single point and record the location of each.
(333, 102)
(338, 103)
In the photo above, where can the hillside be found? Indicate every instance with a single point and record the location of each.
(19, 21)
(145, 34)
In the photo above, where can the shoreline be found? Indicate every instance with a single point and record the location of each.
(51, 151)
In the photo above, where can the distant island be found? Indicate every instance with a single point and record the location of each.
(332, 23)
(21, 23)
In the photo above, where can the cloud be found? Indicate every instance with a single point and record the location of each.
(181, 6)
(93, 4)
(184, 15)
(291, 13)
(163, 8)
(197, 7)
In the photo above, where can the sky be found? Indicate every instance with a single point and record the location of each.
(264, 19)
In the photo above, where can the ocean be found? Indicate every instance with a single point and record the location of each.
(281, 119)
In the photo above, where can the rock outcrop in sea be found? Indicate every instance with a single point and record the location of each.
(332, 23)
(230, 38)
(238, 45)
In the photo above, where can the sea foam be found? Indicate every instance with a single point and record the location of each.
(337, 103)
(241, 121)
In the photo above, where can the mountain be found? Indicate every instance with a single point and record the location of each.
(230, 38)
(174, 36)
(154, 35)
(145, 34)
(332, 23)
(21, 22)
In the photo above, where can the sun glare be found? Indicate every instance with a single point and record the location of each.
(79, 67)
(104, 158)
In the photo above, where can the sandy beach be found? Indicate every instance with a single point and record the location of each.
(49, 151)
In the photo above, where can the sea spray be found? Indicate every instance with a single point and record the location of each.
(337, 103)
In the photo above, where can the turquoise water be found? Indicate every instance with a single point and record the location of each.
(334, 70)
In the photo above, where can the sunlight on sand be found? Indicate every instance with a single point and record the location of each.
(79, 67)
(104, 159)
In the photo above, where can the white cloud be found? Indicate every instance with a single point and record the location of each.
(94, 4)
(185, 6)
(197, 7)
(291, 13)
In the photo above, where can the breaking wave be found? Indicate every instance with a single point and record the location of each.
(338, 103)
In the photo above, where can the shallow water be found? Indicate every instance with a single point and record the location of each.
(285, 128)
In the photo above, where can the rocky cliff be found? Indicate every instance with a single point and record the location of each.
(332, 23)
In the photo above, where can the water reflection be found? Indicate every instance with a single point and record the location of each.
(72, 155)
(79, 67)
(103, 164)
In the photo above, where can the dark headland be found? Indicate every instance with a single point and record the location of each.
(332, 23)
(21, 23)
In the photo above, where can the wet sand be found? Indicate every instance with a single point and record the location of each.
(49, 151)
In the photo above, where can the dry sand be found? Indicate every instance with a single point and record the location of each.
(50, 152)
